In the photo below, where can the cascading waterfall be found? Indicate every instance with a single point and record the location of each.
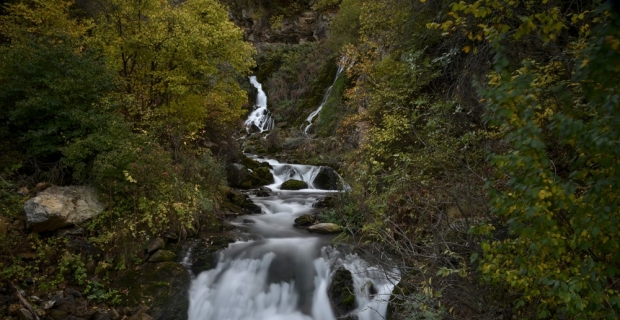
(314, 113)
(285, 272)
(260, 116)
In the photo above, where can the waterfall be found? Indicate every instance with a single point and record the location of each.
(284, 273)
(260, 116)
(314, 113)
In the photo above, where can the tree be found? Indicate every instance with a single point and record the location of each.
(177, 63)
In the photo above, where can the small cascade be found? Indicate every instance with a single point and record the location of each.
(325, 97)
(260, 116)
(283, 272)
(186, 261)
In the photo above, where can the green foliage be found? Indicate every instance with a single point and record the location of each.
(557, 191)
(97, 292)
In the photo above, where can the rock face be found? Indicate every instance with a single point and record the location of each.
(293, 184)
(57, 207)
(325, 228)
(341, 292)
(326, 179)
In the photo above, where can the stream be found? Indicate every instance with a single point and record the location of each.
(283, 272)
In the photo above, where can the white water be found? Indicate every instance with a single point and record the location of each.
(325, 97)
(260, 116)
(284, 274)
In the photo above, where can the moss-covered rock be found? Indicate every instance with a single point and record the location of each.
(341, 292)
(293, 184)
(204, 256)
(304, 220)
(164, 286)
(240, 203)
(162, 256)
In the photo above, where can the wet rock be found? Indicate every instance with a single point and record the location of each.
(240, 203)
(349, 317)
(155, 244)
(293, 184)
(24, 314)
(205, 256)
(341, 292)
(242, 176)
(162, 256)
(57, 207)
(325, 228)
(326, 179)
(304, 220)
(248, 221)
(164, 286)
(263, 192)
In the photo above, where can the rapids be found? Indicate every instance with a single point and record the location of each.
(285, 271)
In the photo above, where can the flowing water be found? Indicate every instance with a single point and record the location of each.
(325, 97)
(260, 116)
(284, 272)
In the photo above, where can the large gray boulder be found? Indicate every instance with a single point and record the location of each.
(58, 207)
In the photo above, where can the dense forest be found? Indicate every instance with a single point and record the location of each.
(479, 138)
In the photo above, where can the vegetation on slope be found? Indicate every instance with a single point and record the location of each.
(488, 153)
(138, 98)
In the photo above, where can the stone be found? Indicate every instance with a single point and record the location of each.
(162, 256)
(48, 304)
(66, 304)
(325, 228)
(23, 191)
(24, 314)
(155, 244)
(247, 221)
(14, 308)
(74, 292)
(293, 184)
(326, 179)
(304, 220)
(58, 207)
(341, 292)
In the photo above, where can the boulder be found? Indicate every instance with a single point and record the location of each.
(304, 220)
(58, 207)
(325, 228)
(204, 256)
(24, 314)
(293, 184)
(341, 292)
(240, 176)
(162, 256)
(240, 203)
(155, 244)
(326, 179)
